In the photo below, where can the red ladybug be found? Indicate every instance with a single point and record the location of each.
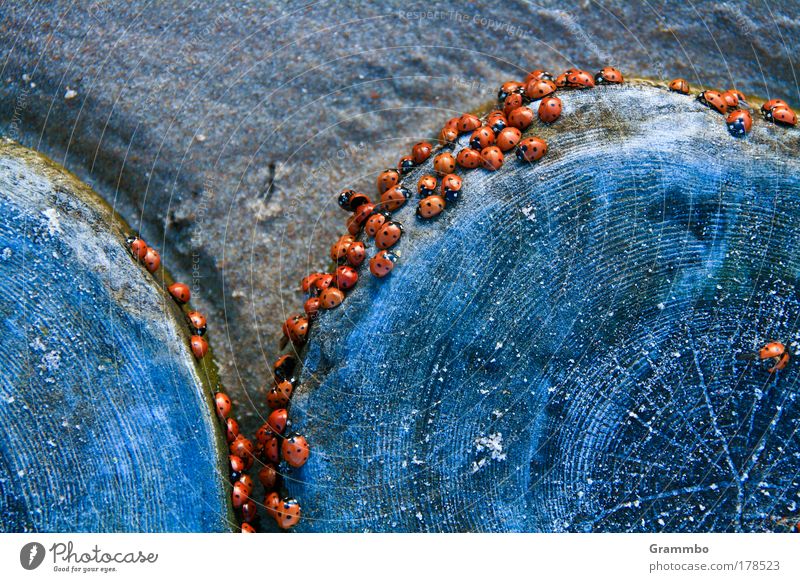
(356, 253)
(731, 99)
(277, 420)
(323, 281)
(714, 100)
(299, 330)
(237, 467)
(272, 448)
(444, 163)
(138, 247)
(739, 122)
(579, 79)
(522, 117)
(352, 225)
(279, 395)
(349, 200)
(430, 206)
(405, 165)
(508, 88)
(180, 292)
(311, 307)
(783, 115)
(539, 88)
(538, 75)
(362, 213)
(426, 185)
(238, 495)
(468, 122)
(248, 483)
(608, 75)
(561, 80)
(387, 179)
(268, 476)
(421, 152)
(481, 138)
(451, 187)
(339, 248)
(288, 514)
(331, 298)
(199, 346)
(247, 528)
(389, 235)
(307, 284)
(231, 430)
(394, 197)
(151, 260)
(375, 222)
(511, 103)
(508, 138)
(491, 158)
(497, 121)
(263, 433)
(295, 450)
(776, 352)
(531, 149)
(284, 366)
(679, 86)
(382, 264)
(770, 105)
(242, 447)
(550, 109)
(271, 504)
(469, 158)
(452, 123)
(739, 95)
(448, 135)
(223, 404)
(197, 322)
(346, 278)
(249, 512)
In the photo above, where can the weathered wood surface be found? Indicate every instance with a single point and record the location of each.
(107, 419)
(558, 351)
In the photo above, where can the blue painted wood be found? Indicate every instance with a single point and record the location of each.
(107, 425)
(559, 350)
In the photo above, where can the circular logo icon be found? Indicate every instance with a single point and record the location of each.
(31, 555)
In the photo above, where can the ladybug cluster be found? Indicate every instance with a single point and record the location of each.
(732, 103)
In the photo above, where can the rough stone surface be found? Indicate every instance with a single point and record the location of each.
(560, 350)
(107, 419)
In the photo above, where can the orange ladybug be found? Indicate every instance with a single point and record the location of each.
(307, 283)
(271, 504)
(481, 138)
(346, 277)
(405, 165)
(491, 158)
(448, 135)
(497, 121)
(522, 117)
(223, 404)
(679, 86)
(268, 476)
(468, 158)
(508, 138)
(249, 513)
(284, 366)
(451, 187)
(242, 447)
(322, 282)
(561, 80)
(339, 248)
(295, 450)
(540, 88)
(714, 100)
(430, 206)
(277, 420)
(382, 264)
(375, 222)
(579, 79)
(731, 99)
(531, 149)
(739, 122)
(247, 528)
(138, 247)
(421, 152)
(288, 514)
(387, 179)
(468, 122)
(770, 105)
(783, 115)
(248, 483)
(279, 395)
(426, 185)
(444, 163)
(394, 198)
(238, 495)
(237, 467)
(356, 253)
(362, 213)
(199, 346)
(231, 429)
(271, 447)
(389, 235)
(538, 75)
(550, 109)
(299, 329)
(311, 307)
(776, 352)
(608, 75)
(331, 298)
(739, 95)
(511, 103)
(349, 200)
(197, 322)
(508, 88)
(151, 260)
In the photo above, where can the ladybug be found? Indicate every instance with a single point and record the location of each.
(346, 278)
(382, 264)
(242, 447)
(284, 366)
(307, 284)
(356, 253)
(608, 75)
(679, 86)
(197, 322)
(199, 346)
(531, 149)
(783, 115)
(508, 88)
(579, 79)
(247, 528)
(180, 292)
(237, 467)
(375, 222)
(491, 158)
(389, 235)
(468, 122)
(277, 420)
(452, 123)
(352, 225)
(776, 352)
(138, 247)
(263, 433)
(481, 138)
(387, 179)
(238, 495)
(714, 100)
(331, 298)
(561, 80)
(223, 404)
(421, 152)
(451, 187)
(151, 260)
(511, 103)
(550, 109)
(271, 504)
(508, 138)
(469, 158)
(349, 200)
(405, 165)
(394, 197)
(231, 429)
(362, 213)
(268, 476)
(430, 206)
(539, 88)
(770, 105)
(311, 307)
(272, 448)
(249, 512)
(739, 95)
(339, 248)
(538, 75)
(248, 483)
(288, 513)
(300, 330)
(444, 163)
(322, 282)
(731, 99)
(279, 395)
(295, 450)
(522, 117)
(426, 185)
(448, 135)
(497, 121)
(739, 122)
